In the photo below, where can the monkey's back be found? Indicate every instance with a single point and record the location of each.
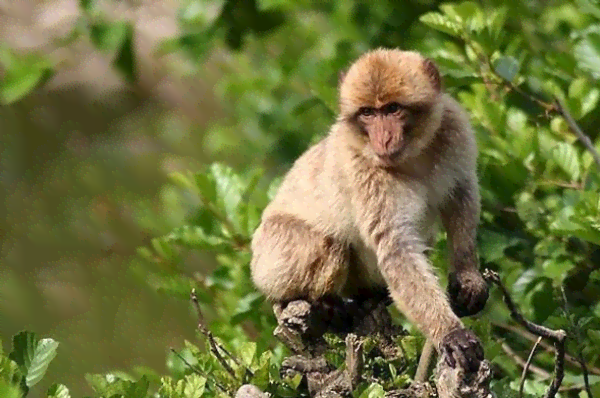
(312, 191)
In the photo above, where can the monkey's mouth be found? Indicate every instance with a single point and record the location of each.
(391, 158)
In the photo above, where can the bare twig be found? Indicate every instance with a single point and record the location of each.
(558, 337)
(527, 365)
(215, 347)
(585, 140)
(517, 358)
(548, 347)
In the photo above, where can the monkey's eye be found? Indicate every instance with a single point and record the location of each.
(392, 107)
(366, 111)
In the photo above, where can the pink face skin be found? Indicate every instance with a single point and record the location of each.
(386, 128)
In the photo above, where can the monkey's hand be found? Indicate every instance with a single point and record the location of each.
(462, 346)
(468, 292)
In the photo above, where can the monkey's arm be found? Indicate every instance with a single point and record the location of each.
(467, 290)
(388, 223)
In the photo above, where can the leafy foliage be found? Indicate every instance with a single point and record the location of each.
(506, 63)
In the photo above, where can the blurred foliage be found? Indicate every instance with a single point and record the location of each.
(506, 61)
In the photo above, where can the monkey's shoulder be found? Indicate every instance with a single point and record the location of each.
(311, 190)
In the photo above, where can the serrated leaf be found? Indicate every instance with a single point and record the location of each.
(44, 353)
(194, 386)
(566, 157)
(58, 391)
(507, 67)
(440, 22)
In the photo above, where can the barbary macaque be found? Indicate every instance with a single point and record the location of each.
(354, 215)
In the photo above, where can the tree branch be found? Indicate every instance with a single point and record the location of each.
(526, 367)
(561, 108)
(558, 337)
(548, 347)
(515, 357)
(215, 347)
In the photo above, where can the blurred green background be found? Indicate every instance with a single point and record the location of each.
(103, 99)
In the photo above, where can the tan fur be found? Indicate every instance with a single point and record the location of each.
(339, 195)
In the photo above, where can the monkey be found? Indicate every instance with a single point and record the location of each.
(355, 213)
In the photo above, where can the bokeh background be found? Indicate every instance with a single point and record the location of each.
(85, 156)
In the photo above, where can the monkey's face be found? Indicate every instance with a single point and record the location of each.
(391, 99)
(387, 128)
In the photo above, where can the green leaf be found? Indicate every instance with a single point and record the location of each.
(22, 75)
(111, 384)
(274, 187)
(375, 390)
(58, 391)
(194, 386)
(247, 352)
(88, 5)
(440, 22)
(507, 67)
(229, 190)
(261, 374)
(44, 353)
(246, 306)
(587, 53)
(9, 390)
(264, 5)
(109, 36)
(125, 60)
(24, 345)
(566, 157)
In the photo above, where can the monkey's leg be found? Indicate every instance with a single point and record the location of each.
(467, 290)
(295, 261)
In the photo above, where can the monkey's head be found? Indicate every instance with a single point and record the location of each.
(390, 99)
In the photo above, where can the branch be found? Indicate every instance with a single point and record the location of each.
(215, 347)
(561, 108)
(529, 336)
(198, 371)
(527, 365)
(515, 357)
(558, 337)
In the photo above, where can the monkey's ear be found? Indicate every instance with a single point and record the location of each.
(432, 72)
(341, 77)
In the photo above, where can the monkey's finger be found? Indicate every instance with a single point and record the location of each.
(449, 358)
(463, 359)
